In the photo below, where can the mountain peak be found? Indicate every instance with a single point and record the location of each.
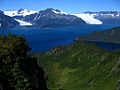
(56, 11)
(20, 12)
(50, 9)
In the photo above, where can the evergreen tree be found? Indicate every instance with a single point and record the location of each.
(16, 67)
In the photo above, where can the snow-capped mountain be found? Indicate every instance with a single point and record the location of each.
(7, 21)
(25, 12)
(113, 14)
(43, 18)
(48, 17)
(55, 17)
(103, 17)
(20, 12)
(58, 11)
(88, 18)
(106, 17)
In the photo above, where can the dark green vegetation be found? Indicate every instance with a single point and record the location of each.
(111, 35)
(80, 66)
(18, 71)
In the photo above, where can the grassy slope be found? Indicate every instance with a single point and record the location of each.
(81, 67)
(111, 35)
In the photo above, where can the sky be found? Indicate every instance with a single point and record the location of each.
(70, 6)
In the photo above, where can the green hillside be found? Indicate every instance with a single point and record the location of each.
(111, 35)
(81, 67)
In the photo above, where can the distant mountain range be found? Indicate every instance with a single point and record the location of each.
(53, 17)
(44, 18)
(107, 17)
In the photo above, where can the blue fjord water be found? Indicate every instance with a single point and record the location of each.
(44, 39)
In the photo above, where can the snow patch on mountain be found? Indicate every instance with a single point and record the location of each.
(21, 12)
(88, 18)
(59, 12)
(113, 14)
(23, 23)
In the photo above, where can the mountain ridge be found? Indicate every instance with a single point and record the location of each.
(51, 17)
(111, 35)
(54, 17)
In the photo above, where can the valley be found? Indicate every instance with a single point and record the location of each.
(49, 49)
(81, 66)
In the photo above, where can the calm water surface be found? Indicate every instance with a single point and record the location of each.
(44, 39)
